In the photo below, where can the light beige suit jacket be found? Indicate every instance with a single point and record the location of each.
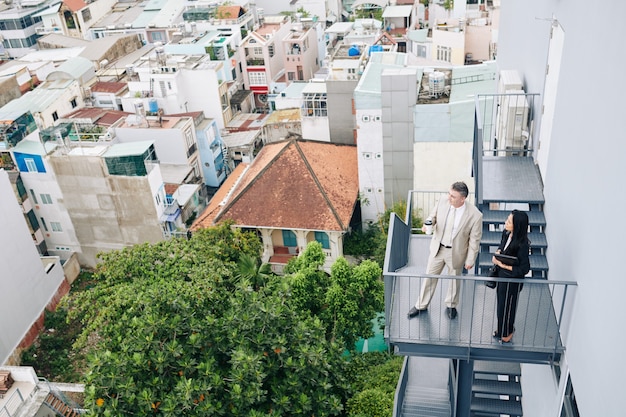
(466, 239)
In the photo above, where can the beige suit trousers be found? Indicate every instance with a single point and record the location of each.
(442, 259)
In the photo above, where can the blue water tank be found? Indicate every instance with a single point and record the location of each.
(354, 51)
(375, 48)
(153, 106)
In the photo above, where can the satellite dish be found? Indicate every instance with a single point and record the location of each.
(263, 98)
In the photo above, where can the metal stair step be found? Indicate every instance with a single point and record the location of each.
(426, 402)
(497, 407)
(537, 239)
(487, 386)
(538, 262)
(535, 218)
(497, 368)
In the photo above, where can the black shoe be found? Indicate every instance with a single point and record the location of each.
(496, 334)
(415, 312)
(451, 312)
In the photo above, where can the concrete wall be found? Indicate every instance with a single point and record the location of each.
(108, 212)
(583, 188)
(399, 95)
(340, 116)
(26, 288)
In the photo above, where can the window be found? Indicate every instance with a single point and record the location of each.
(421, 51)
(270, 50)
(257, 78)
(46, 199)
(56, 226)
(322, 238)
(291, 76)
(378, 155)
(289, 238)
(30, 165)
(32, 194)
(43, 223)
(73, 102)
(257, 51)
(314, 105)
(86, 14)
(570, 407)
(55, 116)
(156, 36)
(444, 53)
(367, 155)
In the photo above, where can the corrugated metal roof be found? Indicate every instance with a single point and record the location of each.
(397, 11)
(76, 67)
(36, 100)
(127, 149)
(34, 147)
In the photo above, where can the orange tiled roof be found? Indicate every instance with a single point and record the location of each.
(74, 5)
(205, 219)
(228, 12)
(293, 184)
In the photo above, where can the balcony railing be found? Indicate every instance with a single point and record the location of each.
(541, 306)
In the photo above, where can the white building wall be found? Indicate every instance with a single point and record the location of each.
(316, 128)
(583, 188)
(169, 144)
(371, 168)
(26, 287)
(60, 243)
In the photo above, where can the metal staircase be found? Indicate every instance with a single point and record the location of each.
(493, 222)
(60, 406)
(496, 389)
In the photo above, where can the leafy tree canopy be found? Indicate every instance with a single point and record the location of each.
(176, 329)
(346, 301)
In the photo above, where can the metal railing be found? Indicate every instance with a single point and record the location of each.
(422, 203)
(540, 308)
(12, 404)
(503, 126)
(401, 388)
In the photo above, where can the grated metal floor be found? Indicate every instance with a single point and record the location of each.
(511, 179)
(536, 326)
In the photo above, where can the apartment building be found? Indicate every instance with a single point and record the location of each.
(26, 274)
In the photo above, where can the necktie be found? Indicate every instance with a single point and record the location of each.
(447, 235)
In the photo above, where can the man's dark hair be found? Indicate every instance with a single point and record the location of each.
(461, 187)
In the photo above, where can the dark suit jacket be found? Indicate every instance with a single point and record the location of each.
(523, 265)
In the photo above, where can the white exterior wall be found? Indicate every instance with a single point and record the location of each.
(169, 144)
(65, 242)
(61, 105)
(583, 188)
(371, 166)
(316, 128)
(450, 39)
(26, 287)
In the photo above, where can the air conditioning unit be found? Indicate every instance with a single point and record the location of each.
(513, 121)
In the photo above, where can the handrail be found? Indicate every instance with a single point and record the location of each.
(11, 402)
(540, 311)
(403, 380)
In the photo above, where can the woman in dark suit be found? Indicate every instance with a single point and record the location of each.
(514, 242)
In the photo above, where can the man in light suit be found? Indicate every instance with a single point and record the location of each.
(457, 230)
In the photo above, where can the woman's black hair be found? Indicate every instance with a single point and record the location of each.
(520, 231)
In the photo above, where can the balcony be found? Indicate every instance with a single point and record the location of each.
(540, 309)
(255, 62)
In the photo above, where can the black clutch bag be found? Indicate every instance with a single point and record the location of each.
(492, 273)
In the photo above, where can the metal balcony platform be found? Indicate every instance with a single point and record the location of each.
(511, 179)
(469, 336)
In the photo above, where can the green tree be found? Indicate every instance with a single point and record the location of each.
(252, 271)
(346, 301)
(170, 331)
